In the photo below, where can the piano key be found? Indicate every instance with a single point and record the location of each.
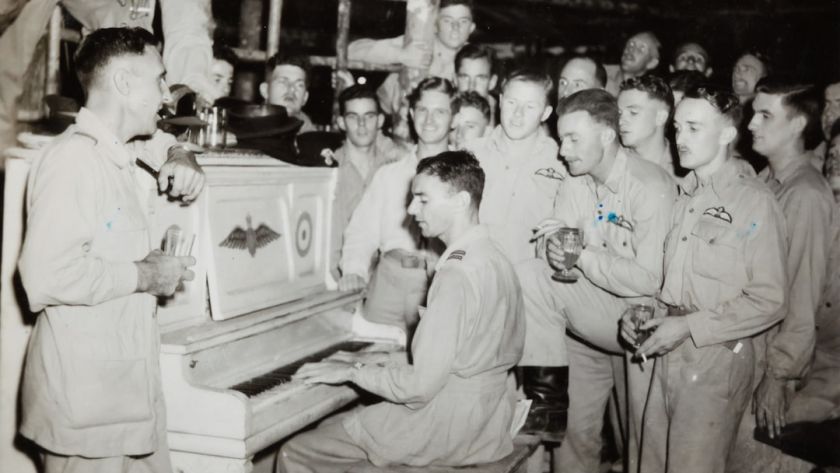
(259, 384)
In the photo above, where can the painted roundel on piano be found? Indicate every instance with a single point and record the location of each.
(303, 234)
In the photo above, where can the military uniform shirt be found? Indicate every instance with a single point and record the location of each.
(725, 257)
(808, 206)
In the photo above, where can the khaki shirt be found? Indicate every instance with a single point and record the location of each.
(625, 222)
(380, 220)
(351, 182)
(808, 206)
(91, 377)
(519, 191)
(725, 257)
(451, 405)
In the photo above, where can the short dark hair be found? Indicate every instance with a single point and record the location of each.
(681, 81)
(471, 99)
(284, 59)
(600, 70)
(681, 49)
(458, 169)
(598, 103)
(654, 86)
(723, 100)
(355, 92)
(431, 83)
(102, 45)
(532, 75)
(475, 51)
(798, 99)
(224, 53)
(762, 56)
(448, 3)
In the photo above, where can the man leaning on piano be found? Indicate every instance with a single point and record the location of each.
(91, 393)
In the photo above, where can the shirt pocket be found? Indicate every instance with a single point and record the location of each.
(107, 392)
(715, 254)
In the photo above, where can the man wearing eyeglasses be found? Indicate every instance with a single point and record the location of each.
(724, 283)
(364, 151)
(785, 127)
(454, 27)
(287, 84)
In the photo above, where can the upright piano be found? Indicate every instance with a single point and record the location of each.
(262, 304)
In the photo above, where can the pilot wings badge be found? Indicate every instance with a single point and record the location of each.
(249, 239)
(551, 173)
(719, 213)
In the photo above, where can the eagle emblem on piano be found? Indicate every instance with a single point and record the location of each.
(250, 238)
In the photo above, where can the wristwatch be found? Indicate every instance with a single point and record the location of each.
(358, 365)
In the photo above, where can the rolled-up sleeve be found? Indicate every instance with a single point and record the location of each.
(56, 265)
(376, 51)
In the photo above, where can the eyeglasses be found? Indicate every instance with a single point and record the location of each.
(722, 100)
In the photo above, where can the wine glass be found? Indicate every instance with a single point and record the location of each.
(571, 242)
(641, 313)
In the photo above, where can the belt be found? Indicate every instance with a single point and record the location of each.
(677, 310)
(406, 259)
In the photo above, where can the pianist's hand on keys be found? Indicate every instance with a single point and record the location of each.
(325, 372)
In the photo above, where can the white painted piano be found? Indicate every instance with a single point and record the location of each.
(259, 307)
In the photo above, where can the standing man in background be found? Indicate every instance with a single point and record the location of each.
(785, 127)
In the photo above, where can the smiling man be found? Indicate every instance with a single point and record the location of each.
(644, 107)
(622, 204)
(724, 283)
(454, 26)
(380, 227)
(450, 405)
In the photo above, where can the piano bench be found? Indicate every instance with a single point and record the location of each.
(527, 457)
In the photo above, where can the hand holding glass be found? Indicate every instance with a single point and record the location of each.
(570, 242)
(640, 314)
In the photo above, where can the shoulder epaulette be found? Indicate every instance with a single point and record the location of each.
(86, 135)
(457, 255)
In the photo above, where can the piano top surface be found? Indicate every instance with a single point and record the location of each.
(212, 333)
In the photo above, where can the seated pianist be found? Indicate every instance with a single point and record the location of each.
(450, 405)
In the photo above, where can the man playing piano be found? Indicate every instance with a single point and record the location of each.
(450, 405)
(91, 394)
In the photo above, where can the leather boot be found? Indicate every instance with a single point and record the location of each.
(547, 387)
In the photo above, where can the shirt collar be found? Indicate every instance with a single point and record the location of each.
(718, 181)
(791, 169)
(90, 124)
(617, 172)
(499, 141)
(475, 233)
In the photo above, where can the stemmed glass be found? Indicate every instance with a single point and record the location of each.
(570, 241)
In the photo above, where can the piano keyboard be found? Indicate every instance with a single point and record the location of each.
(262, 383)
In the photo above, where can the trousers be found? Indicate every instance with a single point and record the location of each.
(695, 405)
(395, 292)
(326, 449)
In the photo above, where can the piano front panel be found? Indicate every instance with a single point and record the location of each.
(267, 236)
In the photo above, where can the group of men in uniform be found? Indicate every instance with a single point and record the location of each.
(735, 266)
